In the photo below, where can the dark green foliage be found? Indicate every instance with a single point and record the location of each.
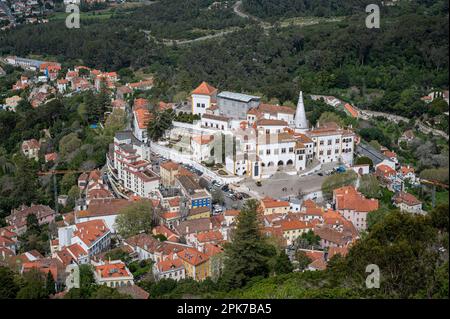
(50, 284)
(8, 285)
(363, 160)
(271, 9)
(159, 124)
(34, 286)
(280, 264)
(248, 254)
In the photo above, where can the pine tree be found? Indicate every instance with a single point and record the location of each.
(50, 284)
(248, 254)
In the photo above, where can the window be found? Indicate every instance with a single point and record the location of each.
(291, 149)
(198, 104)
(321, 153)
(329, 152)
(336, 151)
(337, 141)
(300, 158)
(267, 131)
(203, 105)
(267, 152)
(321, 143)
(283, 150)
(330, 142)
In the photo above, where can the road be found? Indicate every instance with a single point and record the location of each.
(366, 114)
(238, 11)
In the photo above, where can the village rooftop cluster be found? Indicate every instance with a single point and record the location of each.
(177, 175)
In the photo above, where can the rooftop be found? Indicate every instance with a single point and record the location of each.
(238, 96)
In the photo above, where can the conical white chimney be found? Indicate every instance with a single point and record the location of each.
(301, 124)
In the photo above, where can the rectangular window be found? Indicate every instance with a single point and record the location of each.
(330, 142)
(321, 143)
(267, 152)
(283, 150)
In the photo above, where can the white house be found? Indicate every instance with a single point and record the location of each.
(202, 98)
(93, 236)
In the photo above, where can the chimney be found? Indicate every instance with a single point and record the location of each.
(187, 229)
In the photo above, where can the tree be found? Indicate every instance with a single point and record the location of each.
(376, 216)
(248, 254)
(105, 292)
(328, 117)
(436, 174)
(135, 218)
(439, 217)
(400, 246)
(50, 284)
(161, 122)
(364, 160)
(280, 264)
(34, 287)
(302, 260)
(67, 182)
(87, 284)
(338, 180)
(309, 239)
(69, 144)
(369, 186)
(8, 286)
(116, 121)
(217, 196)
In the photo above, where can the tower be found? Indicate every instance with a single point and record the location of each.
(301, 124)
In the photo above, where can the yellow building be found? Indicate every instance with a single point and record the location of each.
(272, 206)
(199, 212)
(196, 264)
(168, 171)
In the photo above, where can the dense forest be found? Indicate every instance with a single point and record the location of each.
(273, 9)
(386, 69)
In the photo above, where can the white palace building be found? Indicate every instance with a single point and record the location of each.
(267, 137)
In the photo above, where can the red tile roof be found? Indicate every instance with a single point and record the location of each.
(193, 256)
(169, 165)
(204, 89)
(112, 270)
(89, 232)
(269, 202)
(406, 198)
(347, 198)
